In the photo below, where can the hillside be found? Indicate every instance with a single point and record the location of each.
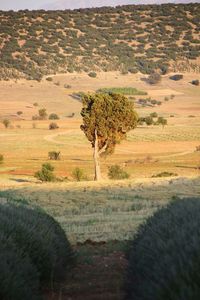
(127, 38)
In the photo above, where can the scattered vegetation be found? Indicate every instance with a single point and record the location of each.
(166, 233)
(41, 43)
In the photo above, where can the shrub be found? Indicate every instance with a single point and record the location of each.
(53, 116)
(6, 123)
(164, 174)
(19, 113)
(153, 115)
(46, 173)
(154, 78)
(149, 120)
(198, 148)
(18, 277)
(41, 238)
(164, 256)
(1, 158)
(176, 77)
(116, 172)
(42, 113)
(78, 174)
(195, 82)
(92, 74)
(49, 79)
(53, 126)
(53, 155)
(67, 86)
(35, 104)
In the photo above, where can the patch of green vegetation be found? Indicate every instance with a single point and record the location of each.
(122, 90)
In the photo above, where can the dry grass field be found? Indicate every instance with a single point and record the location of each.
(147, 151)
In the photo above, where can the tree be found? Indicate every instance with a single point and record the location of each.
(6, 123)
(106, 120)
(162, 121)
(154, 78)
(53, 126)
(54, 155)
(53, 116)
(149, 120)
(42, 113)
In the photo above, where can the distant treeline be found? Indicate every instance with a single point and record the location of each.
(126, 38)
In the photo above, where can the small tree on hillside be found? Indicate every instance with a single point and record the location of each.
(154, 78)
(162, 121)
(42, 113)
(6, 123)
(106, 120)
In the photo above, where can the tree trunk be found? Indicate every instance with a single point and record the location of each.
(97, 169)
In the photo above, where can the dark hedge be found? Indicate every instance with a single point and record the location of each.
(164, 258)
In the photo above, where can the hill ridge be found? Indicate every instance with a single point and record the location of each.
(38, 43)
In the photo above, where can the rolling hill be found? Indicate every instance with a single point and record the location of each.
(127, 38)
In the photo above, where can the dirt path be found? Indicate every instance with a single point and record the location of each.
(51, 138)
(99, 275)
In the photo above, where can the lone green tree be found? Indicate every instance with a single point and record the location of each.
(106, 120)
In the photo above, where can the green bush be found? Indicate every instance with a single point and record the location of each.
(78, 174)
(116, 172)
(164, 256)
(154, 78)
(41, 238)
(18, 277)
(53, 116)
(92, 74)
(54, 155)
(164, 174)
(1, 158)
(46, 173)
(53, 126)
(123, 91)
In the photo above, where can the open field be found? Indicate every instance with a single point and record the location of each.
(147, 151)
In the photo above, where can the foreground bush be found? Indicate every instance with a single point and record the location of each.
(46, 173)
(116, 172)
(164, 257)
(18, 277)
(41, 238)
